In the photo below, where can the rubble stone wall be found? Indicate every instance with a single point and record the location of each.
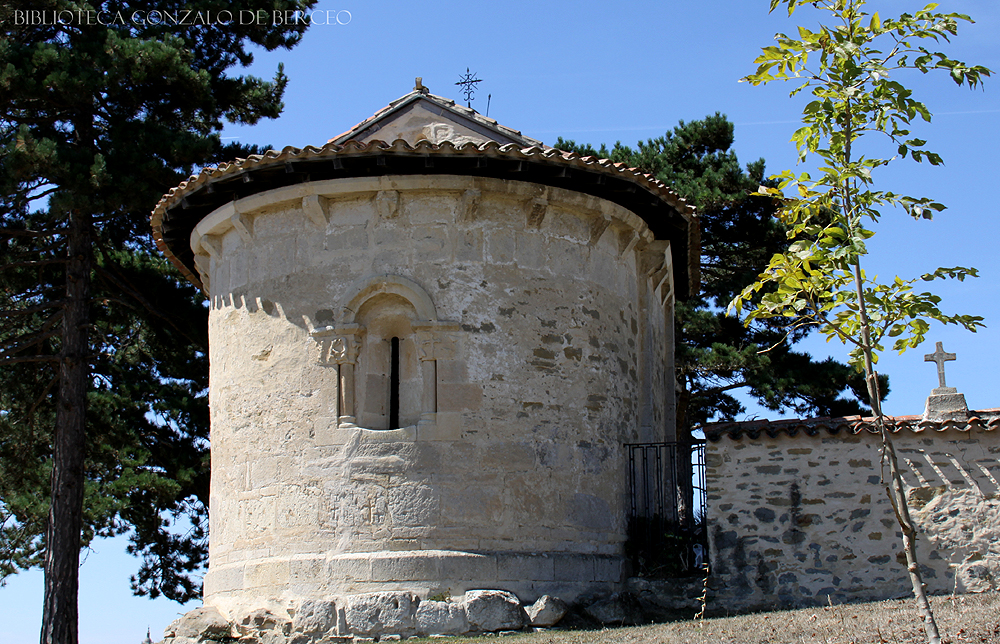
(535, 335)
(795, 520)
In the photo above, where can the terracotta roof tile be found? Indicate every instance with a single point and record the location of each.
(984, 420)
(361, 141)
(399, 146)
(423, 147)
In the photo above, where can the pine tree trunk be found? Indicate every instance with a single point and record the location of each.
(62, 554)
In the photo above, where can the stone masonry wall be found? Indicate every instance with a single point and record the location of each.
(553, 312)
(802, 520)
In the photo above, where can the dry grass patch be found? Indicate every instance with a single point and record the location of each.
(965, 618)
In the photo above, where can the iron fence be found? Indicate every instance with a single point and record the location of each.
(667, 508)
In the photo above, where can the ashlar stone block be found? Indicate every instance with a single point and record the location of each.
(372, 614)
(493, 610)
(440, 618)
(315, 617)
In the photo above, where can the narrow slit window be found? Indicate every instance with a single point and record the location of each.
(394, 383)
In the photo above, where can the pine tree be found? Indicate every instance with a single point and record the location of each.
(98, 117)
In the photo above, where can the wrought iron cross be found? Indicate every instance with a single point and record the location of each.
(940, 357)
(468, 82)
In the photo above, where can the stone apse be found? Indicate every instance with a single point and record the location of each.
(430, 339)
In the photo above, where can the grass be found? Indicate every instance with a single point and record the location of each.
(961, 619)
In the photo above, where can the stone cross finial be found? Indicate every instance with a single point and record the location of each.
(944, 403)
(940, 357)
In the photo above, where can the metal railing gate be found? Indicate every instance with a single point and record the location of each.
(667, 507)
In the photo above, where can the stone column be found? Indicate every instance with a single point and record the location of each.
(428, 369)
(426, 341)
(434, 342)
(345, 399)
(339, 347)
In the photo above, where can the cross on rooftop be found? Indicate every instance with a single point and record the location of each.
(940, 357)
(468, 82)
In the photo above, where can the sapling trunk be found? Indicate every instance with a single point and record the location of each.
(894, 488)
(849, 78)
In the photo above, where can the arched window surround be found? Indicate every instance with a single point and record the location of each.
(343, 345)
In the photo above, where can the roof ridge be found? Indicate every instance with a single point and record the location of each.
(982, 420)
(443, 103)
(352, 145)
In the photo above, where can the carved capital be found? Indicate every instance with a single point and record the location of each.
(437, 340)
(338, 345)
(338, 349)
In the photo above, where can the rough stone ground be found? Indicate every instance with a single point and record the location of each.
(961, 619)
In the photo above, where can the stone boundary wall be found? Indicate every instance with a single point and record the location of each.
(803, 520)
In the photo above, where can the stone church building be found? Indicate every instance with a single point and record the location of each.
(430, 339)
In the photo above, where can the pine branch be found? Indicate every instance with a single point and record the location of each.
(23, 359)
(7, 313)
(122, 283)
(42, 396)
(711, 391)
(18, 232)
(33, 264)
(31, 341)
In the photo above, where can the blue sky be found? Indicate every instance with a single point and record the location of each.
(599, 72)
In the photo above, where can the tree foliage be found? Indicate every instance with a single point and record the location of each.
(829, 217)
(147, 426)
(716, 355)
(851, 70)
(102, 346)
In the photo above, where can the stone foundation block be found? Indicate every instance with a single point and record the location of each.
(411, 567)
(315, 617)
(608, 569)
(350, 567)
(574, 568)
(470, 566)
(547, 611)
(266, 573)
(517, 567)
(221, 579)
(440, 618)
(373, 614)
(493, 610)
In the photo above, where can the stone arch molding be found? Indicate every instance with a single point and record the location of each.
(372, 287)
(345, 348)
